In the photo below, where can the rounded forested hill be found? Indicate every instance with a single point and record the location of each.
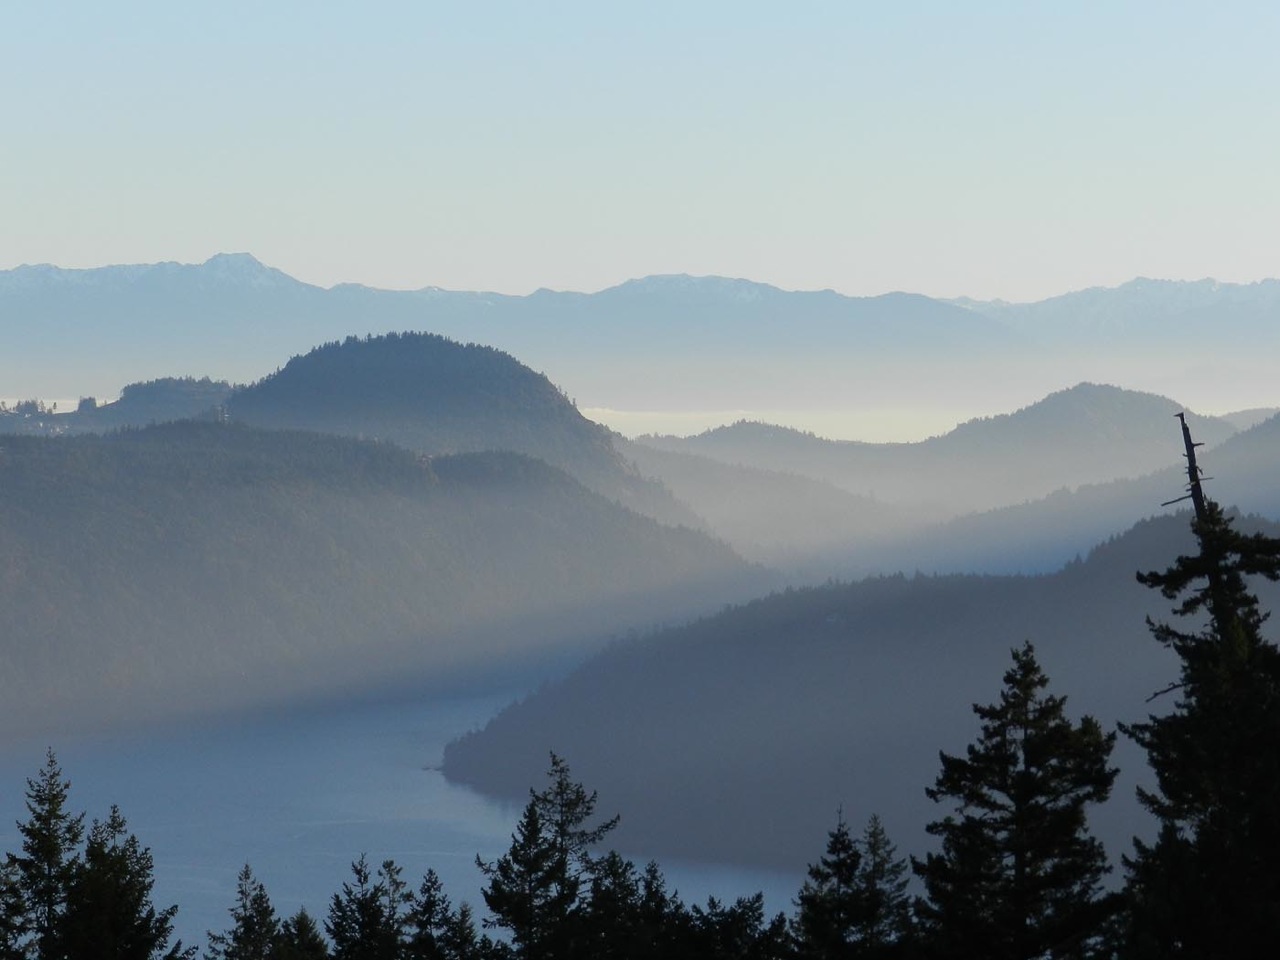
(447, 396)
(438, 396)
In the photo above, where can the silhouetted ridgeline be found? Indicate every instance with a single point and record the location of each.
(202, 565)
(139, 404)
(1087, 434)
(663, 342)
(736, 738)
(1043, 534)
(433, 395)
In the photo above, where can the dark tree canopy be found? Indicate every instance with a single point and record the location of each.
(536, 889)
(109, 911)
(1208, 885)
(1018, 875)
(300, 939)
(50, 857)
(254, 928)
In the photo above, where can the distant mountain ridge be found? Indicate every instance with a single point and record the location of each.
(1089, 433)
(664, 342)
(1144, 309)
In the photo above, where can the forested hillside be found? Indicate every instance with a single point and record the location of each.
(436, 396)
(196, 566)
(139, 404)
(737, 737)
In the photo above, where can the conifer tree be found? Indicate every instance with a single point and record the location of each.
(882, 925)
(1209, 885)
(14, 921)
(50, 857)
(1018, 875)
(109, 913)
(854, 902)
(254, 927)
(367, 919)
(536, 889)
(300, 939)
(827, 906)
(459, 939)
(739, 931)
(435, 931)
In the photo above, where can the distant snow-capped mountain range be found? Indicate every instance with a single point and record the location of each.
(667, 342)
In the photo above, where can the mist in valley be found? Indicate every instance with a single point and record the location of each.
(711, 399)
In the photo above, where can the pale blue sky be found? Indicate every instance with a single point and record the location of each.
(1011, 150)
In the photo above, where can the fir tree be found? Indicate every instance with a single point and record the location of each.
(1209, 885)
(435, 930)
(254, 928)
(535, 890)
(300, 939)
(459, 940)
(50, 859)
(109, 914)
(1018, 875)
(14, 921)
(739, 931)
(367, 919)
(882, 924)
(828, 903)
(854, 902)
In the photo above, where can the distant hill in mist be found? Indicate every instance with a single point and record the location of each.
(808, 528)
(737, 738)
(1043, 534)
(139, 405)
(1244, 419)
(656, 343)
(211, 566)
(1090, 433)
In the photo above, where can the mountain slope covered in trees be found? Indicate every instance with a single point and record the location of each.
(200, 566)
(436, 396)
(737, 737)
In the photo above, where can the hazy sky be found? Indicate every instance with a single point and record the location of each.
(1011, 150)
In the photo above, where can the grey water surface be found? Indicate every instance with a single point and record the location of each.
(299, 797)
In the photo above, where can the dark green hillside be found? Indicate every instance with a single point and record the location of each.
(202, 566)
(436, 396)
(737, 738)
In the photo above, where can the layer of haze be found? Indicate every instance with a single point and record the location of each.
(982, 149)
(876, 425)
